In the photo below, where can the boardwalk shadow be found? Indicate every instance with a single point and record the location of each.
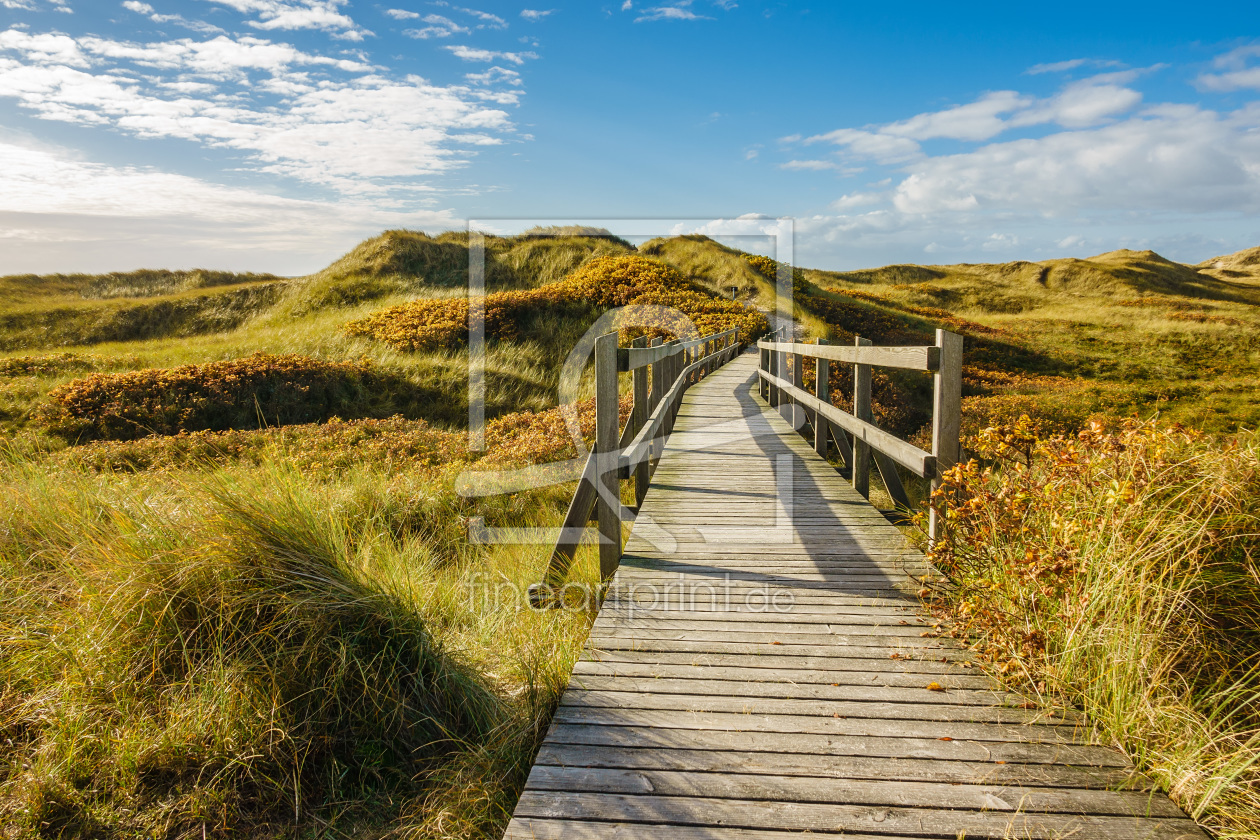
(822, 533)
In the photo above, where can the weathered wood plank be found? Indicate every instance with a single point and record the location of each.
(844, 766)
(891, 792)
(906, 358)
(842, 818)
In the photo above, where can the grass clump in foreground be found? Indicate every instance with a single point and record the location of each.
(249, 651)
(1120, 573)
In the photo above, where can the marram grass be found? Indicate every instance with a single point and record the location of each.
(1119, 573)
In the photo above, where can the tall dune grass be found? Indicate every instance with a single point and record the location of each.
(1120, 573)
(252, 652)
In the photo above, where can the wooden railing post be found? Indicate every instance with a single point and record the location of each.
(637, 420)
(862, 410)
(608, 484)
(797, 415)
(946, 416)
(657, 374)
(822, 390)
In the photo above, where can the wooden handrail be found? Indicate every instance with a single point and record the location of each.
(674, 366)
(870, 443)
(907, 358)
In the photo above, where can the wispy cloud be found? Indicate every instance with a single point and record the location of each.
(179, 20)
(439, 27)
(536, 14)
(1239, 69)
(488, 20)
(476, 54)
(1070, 64)
(299, 14)
(677, 11)
(1080, 104)
(402, 14)
(325, 120)
(36, 5)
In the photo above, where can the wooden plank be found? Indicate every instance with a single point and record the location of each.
(533, 828)
(883, 717)
(906, 358)
(886, 792)
(845, 767)
(675, 645)
(684, 810)
(792, 724)
(822, 662)
(832, 744)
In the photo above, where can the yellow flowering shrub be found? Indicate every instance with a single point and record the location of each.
(241, 393)
(526, 437)
(603, 282)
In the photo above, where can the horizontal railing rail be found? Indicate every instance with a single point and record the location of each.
(782, 385)
(661, 373)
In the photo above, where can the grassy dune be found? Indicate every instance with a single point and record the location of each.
(265, 626)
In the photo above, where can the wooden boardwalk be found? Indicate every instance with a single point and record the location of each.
(760, 669)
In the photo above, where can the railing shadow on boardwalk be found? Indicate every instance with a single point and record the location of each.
(835, 565)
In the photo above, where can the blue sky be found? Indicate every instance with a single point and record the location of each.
(274, 134)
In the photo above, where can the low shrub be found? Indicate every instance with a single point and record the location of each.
(1117, 572)
(393, 444)
(242, 393)
(604, 282)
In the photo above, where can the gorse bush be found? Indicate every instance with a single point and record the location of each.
(395, 443)
(241, 393)
(1120, 573)
(602, 282)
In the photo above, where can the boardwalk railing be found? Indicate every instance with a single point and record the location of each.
(783, 385)
(661, 374)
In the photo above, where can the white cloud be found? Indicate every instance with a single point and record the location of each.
(495, 74)
(49, 199)
(536, 14)
(179, 20)
(678, 11)
(1238, 72)
(402, 14)
(847, 202)
(809, 165)
(475, 54)
(884, 148)
(627, 6)
(488, 21)
(299, 14)
(329, 121)
(978, 120)
(439, 27)
(1079, 104)
(34, 5)
(1171, 157)
(1070, 64)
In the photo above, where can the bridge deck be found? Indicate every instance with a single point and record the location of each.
(760, 669)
